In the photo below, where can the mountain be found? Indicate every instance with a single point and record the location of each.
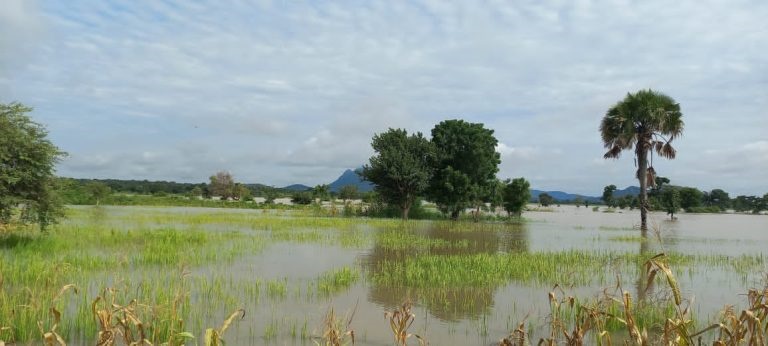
(629, 190)
(562, 196)
(297, 187)
(565, 196)
(349, 177)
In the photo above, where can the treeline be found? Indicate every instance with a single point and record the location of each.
(222, 186)
(663, 196)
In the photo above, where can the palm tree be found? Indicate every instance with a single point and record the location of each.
(646, 121)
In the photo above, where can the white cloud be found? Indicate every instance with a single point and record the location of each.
(254, 83)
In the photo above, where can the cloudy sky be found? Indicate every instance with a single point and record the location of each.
(292, 91)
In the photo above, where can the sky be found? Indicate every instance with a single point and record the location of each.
(283, 92)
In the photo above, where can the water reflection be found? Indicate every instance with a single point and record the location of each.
(446, 303)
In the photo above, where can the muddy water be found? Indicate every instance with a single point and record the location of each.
(480, 316)
(477, 316)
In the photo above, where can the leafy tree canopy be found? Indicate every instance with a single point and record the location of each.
(27, 160)
(223, 185)
(465, 166)
(516, 194)
(546, 200)
(401, 168)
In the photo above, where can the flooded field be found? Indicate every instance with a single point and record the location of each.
(470, 283)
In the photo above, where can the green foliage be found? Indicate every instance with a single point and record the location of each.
(303, 198)
(645, 121)
(516, 194)
(690, 197)
(465, 167)
(608, 195)
(545, 199)
(670, 200)
(401, 168)
(98, 191)
(348, 192)
(27, 160)
(717, 198)
(322, 192)
(222, 185)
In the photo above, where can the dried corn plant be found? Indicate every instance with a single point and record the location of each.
(400, 320)
(51, 337)
(213, 337)
(336, 331)
(117, 324)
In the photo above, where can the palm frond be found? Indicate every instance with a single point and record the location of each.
(668, 151)
(613, 153)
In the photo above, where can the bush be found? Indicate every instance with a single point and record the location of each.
(710, 209)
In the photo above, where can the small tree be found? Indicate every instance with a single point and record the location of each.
(98, 191)
(196, 192)
(242, 192)
(223, 185)
(516, 194)
(348, 192)
(545, 199)
(303, 198)
(608, 195)
(27, 160)
(322, 192)
(670, 200)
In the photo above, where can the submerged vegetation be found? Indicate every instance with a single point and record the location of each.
(113, 275)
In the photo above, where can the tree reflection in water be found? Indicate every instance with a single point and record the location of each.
(446, 239)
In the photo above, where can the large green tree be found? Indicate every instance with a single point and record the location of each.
(645, 121)
(516, 194)
(465, 166)
(27, 160)
(401, 168)
(690, 197)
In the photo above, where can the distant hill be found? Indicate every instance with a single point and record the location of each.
(565, 196)
(349, 177)
(562, 196)
(297, 187)
(629, 190)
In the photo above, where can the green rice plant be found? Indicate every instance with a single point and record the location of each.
(277, 288)
(336, 280)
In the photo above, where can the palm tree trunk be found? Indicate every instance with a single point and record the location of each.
(641, 150)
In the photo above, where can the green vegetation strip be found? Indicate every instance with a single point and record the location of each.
(543, 268)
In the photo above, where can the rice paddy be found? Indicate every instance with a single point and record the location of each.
(197, 275)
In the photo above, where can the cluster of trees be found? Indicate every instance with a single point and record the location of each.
(456, 169)
(323, 192)
(672, 198)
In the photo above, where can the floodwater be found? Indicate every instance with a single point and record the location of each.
(474, 316)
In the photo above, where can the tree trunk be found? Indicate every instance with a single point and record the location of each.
(455, 214)
(406, 210)
(641, 150)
